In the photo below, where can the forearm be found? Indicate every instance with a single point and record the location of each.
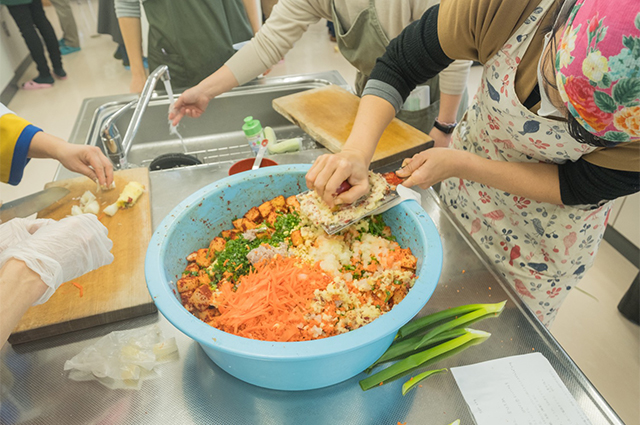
(219, 82)
(449, 104)
(537, 181)
(20, 287)
(44, 145)
(373, 117)
(252, 13)
(131, 29)
(287, 23)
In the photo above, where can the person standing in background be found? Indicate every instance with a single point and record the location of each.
(29, 15)
(194, 38)
(363, 29)
(70, 41)
(108, 24)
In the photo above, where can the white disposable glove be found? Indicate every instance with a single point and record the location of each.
(63, 250)
(19, 229)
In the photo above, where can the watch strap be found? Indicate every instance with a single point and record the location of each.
(445, 128)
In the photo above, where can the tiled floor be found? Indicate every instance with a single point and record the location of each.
(603, 344)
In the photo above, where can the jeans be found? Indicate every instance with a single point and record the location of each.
(28, 17)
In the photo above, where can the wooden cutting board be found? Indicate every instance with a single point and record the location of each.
(327, 114)
(114, 292)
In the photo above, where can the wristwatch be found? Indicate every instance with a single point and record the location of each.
(446, 128)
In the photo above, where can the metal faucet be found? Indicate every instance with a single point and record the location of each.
(116, 147)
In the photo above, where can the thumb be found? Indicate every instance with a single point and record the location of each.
(408, 168)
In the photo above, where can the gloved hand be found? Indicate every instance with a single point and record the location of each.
(63, 250)
(18, 229)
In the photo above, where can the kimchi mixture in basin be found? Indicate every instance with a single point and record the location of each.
(277, 276)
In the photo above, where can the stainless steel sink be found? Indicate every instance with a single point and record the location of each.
(214, 138)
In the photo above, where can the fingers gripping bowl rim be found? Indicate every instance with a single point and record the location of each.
(293, 365)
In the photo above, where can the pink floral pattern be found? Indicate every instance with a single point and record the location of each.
(597, 67)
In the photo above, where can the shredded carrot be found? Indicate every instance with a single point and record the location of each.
(271, 301)
(79, 287)
(101, 216)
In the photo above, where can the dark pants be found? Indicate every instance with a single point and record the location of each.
(28, 17)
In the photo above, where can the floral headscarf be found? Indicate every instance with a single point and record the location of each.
(598, 67)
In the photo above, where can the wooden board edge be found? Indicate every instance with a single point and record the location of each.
(276, 107)
(62, 328)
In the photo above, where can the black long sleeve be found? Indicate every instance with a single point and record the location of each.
(583, 183)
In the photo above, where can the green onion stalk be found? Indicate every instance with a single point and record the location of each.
(413, 382)
(420, 359)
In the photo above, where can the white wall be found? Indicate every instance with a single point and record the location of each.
(13, 49)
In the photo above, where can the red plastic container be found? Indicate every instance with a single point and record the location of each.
(246, 164)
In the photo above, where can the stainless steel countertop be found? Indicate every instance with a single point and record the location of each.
(194, 390)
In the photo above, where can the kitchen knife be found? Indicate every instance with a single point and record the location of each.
(31, 204)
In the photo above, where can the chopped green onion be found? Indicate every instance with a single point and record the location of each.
(417, 360)
(411, 383)
(421, 323)
(406, 347)
(484, 310)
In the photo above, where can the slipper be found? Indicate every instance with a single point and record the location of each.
(32, 85)
(60, 74)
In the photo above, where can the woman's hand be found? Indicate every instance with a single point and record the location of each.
(329, 171)
(431, 166)
(192, 102)
(87, 160)
(63, 250)
(83, 159)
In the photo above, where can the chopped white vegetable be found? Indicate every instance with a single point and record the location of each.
(76, 210)
(105, 188)
(92, 207)
(86, 198)
(111, 210)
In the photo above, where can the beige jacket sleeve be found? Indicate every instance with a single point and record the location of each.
(290, 19)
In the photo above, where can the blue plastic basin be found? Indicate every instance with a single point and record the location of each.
(292, 365)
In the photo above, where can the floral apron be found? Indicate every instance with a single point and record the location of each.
(541, 249)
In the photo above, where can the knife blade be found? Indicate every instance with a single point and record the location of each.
(31, 204)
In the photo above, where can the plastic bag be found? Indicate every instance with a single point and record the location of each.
(123, 359)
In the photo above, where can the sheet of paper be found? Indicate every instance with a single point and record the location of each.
(519, 390)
